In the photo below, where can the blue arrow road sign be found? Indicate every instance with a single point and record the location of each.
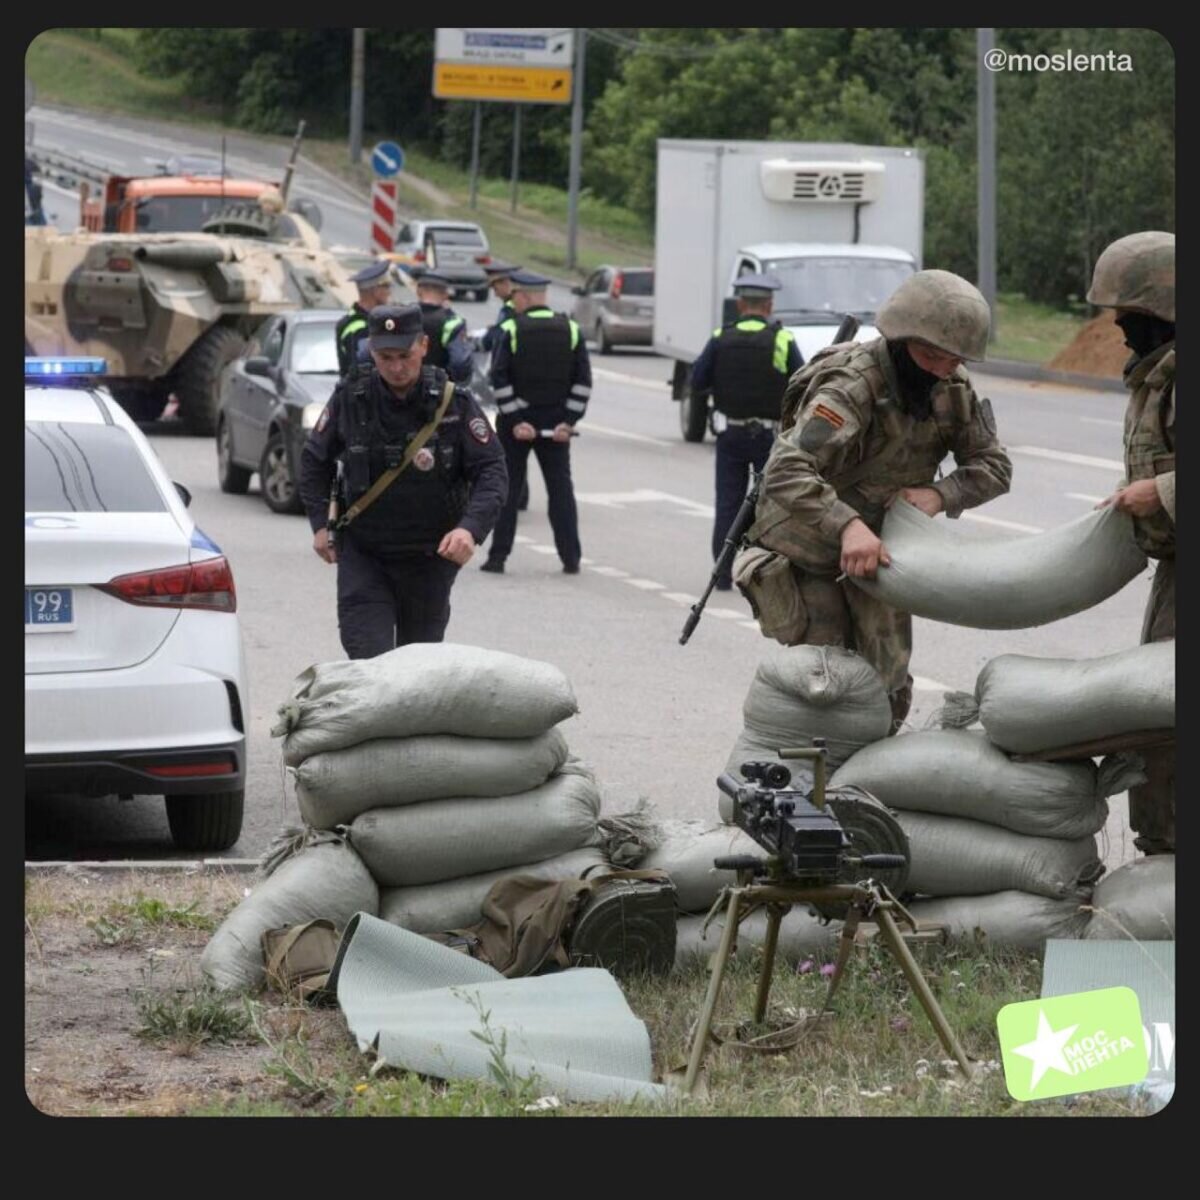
(387, 159)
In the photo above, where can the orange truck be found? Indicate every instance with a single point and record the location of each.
(161, 203)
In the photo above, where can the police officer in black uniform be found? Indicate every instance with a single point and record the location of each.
(374, 288)
(398, 559)
(541, 378)
(499, 277)
(746, 366)
(449, 346)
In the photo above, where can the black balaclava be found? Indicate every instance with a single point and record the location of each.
(915, 382)
(1144, 332)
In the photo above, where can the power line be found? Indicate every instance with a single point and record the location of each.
(640, 46)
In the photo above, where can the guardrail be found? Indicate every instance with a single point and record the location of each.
(66, 169)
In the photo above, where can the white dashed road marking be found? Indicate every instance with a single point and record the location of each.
(1079, 460)
(611, 572)
(647, 585)
(985, 520)
(1085, 496)
(606, 431)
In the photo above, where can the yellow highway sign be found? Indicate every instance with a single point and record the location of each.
(531, 85)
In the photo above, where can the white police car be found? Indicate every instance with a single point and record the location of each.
(134, 676)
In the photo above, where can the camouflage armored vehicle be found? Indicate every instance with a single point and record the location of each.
(169, 311)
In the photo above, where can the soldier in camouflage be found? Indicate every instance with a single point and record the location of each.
(865, 424)
(1136, 276)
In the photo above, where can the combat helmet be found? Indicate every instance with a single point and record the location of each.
(1138, 272)
(940, 308)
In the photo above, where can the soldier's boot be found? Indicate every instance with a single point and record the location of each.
(1152, 804)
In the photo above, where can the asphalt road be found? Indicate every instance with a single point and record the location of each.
(656, 718)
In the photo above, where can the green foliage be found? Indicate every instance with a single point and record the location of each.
(189, 1017)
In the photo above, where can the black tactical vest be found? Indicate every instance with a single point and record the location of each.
(746, 383)
(433, 321)
(429, 496)
(543, 361)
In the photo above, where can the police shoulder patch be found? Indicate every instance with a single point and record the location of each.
(481, 431)
(323, 419)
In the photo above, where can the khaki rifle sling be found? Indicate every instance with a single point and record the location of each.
(388, 477)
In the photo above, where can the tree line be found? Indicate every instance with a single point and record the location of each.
(1083, 155)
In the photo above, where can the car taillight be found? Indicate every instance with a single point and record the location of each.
(207, 584)
(618, 283)
(483, 258)
(120, 264)
(418, 256)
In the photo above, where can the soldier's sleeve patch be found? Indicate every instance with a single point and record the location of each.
(481, 431)
(831, 415)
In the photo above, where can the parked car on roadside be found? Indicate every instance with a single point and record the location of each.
(616, 307)
(135, 682)
(457, 249)
(270, 398)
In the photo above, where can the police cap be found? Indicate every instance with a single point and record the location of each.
(529, 281)
(752, 286)
(500, 270)
(431, 279)
(372, 275)
(394, 326)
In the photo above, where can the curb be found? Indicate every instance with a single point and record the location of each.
(1011, 369)
(166, 866)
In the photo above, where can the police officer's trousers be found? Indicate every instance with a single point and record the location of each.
(554, 458)
(388, 602)
(1152, 804)
(738, 449)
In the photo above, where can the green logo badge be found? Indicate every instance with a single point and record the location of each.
(1077, 1043)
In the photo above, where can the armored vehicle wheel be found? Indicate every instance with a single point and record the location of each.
(279, 489)
(198, 376)
(232, 479)
(693, 417)
(206, 821)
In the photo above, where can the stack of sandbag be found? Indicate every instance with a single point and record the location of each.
(802, 692)
(1005, 846)
(686, 853)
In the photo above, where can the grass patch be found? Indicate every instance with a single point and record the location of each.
(190, 1017)
(1031, 332)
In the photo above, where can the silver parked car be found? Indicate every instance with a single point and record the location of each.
(458, 250)
(616, 307)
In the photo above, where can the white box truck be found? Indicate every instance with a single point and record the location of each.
(839, 225)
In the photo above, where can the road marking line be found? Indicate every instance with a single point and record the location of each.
(921, 684)
(543, 549)
(680, 597)
(984, 520)
(1085, 496)
(647, 585)
(606, 431)
(636, 380)
(522, 540)
(1080, 460)
(586, 562)
(726, 614)
(1103, 421)
(750, 625)
(611, 572)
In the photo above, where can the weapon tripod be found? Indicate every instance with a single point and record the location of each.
(867, 900)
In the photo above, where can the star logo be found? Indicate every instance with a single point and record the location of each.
(1046, 1050)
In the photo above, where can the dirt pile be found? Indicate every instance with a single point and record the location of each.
(1097, 349)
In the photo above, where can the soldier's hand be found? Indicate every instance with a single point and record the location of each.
(562, 432)
(927, 499)
(322, 547)
(862, 551)
(458, 546)
(524, 432)
(1140, 499)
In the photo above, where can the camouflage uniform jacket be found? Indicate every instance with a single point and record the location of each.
(846, 411)
(1150, 444)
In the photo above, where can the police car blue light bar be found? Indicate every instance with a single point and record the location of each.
(39, 367)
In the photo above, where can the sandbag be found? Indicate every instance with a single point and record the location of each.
(1029, 704)
(1009, 918)
(952, 571)
(328, 880)
(421, 688)
(954, 857)
(446, 839)
(455, 903)
(335, 787)
(959, 773)
(686, 854)
(1136, 901)
(800, 935)
(802, 692)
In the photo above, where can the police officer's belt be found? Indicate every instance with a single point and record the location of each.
(752, 422)
(389, 477)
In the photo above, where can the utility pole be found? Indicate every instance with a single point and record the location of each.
(576, 148)
(516, 160)
(357, 56)
(475, 153)
(986, 113)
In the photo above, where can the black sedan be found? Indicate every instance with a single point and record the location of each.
(270, 398)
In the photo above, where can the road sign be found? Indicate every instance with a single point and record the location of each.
(529, 66)
(387, 159)
(383, 215)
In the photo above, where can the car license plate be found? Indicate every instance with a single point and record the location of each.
(49, 610)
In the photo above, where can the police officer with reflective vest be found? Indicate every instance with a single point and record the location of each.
(499, 277)
(449, 346)
(746, 366)
(374, 288)
(400, 540)
(541, 379)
